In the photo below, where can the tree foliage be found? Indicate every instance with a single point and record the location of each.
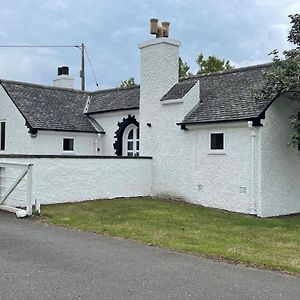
(212, 64)
(183, 70)
(127, 82)
(284, 76)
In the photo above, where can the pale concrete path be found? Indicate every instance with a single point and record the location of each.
(45, 262)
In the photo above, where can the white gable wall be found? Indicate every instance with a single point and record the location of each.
(280, 163)
(16, 135)
(19, 141)
(109, 122)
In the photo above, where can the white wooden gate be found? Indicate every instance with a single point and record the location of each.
(16, 188)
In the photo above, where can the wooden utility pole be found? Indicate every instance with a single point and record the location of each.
(82, 73)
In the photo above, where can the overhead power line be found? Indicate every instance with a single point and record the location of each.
(90, 64)
(81, 47)
(39, 46)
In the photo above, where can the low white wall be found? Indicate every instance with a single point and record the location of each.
(59, 179)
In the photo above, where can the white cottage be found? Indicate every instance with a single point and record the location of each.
(211, 143)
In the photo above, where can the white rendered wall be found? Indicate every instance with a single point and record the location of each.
(79, 179)
(183, 166)
(109, 122)
(280, 163)
(19, 141)
(159, 72)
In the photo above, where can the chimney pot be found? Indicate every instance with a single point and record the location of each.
(63, 79)
(65, 70)
(166, 26)
(153, 26)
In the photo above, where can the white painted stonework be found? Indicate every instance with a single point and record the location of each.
(109, 121)
(256, 173)
(58, 180)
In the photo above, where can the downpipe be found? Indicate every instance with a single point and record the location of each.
(253, 169)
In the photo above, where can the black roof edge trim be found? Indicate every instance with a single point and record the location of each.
(218, 121)
(71, 156)
(67, 130)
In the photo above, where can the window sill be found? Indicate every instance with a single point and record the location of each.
(68, 153)
(216, 152)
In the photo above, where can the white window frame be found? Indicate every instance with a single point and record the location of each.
(134, 141)
(3, 121)
(216, 151)
(62, 145)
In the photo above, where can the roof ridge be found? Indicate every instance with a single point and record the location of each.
(230, 71)
(43, 86)
(116, 89)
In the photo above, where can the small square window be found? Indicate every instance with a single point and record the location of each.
(217, 141)
(68, 144)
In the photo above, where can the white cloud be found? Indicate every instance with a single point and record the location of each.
(241, 31)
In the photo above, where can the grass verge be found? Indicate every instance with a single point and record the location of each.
(272, 243)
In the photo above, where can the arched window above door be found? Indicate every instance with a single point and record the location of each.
(127, 141)
(131, 141)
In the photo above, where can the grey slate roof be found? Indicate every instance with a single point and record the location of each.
(50, 108)
(225, 96)
(179, 90)
(229, 95)
(115, 99)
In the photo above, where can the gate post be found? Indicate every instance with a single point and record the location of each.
(29, 190)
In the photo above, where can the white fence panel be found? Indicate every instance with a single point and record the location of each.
(16, 188)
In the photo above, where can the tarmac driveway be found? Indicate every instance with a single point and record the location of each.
(46, 262)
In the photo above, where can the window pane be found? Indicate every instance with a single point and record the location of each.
(217, 141)
(68, 145)
(130, 145)
(130, 134)
(137, 145)
(138, 133)
(129, 154)
(2, 136)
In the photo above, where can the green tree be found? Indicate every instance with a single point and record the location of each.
(212, 64)
(284, 76)
(183, 70)
(127, 82)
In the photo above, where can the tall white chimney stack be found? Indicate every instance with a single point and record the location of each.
(63, 79)
(159, 72)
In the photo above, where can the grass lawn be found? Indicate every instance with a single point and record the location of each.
(272, 243)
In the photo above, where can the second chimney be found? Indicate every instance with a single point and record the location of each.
(63, 79)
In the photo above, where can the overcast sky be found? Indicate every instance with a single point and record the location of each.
(243, 31)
